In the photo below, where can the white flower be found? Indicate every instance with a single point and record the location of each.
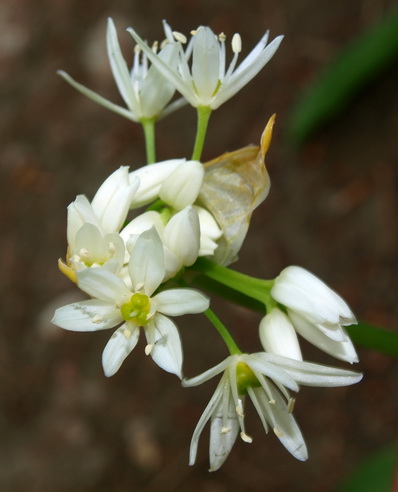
(144, 90)
(92, 227)
(113, 302)
(207, 82)
(277, 335)
(264, 377)
(316, 311)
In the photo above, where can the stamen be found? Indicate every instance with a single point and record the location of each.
(127, 333)
(137, 49)
(290, 405)
(225, 430)
(272, 402)
(246, 438)
(236, 43)
(194, 32)
(178, 36)
(97, 319)
(111, 247)
(148, 348)
(277, 432)
(222, 37)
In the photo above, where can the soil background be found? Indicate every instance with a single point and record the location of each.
(332, 209)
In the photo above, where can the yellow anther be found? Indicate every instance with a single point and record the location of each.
(277, 432)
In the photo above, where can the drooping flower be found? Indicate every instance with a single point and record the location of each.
(264, 377)
(144, 90)
(207, 82)
(113, 303)
(317, 312)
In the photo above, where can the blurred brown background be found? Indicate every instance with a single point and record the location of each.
(332, 209)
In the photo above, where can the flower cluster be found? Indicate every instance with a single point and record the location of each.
(138, 246)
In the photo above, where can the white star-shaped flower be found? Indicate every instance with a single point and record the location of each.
(207, 82)
(144, 90)
(113, 303)
(264, 377)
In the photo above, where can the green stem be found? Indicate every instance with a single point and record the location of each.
(203, 113)
(223, 331)
(255, 288)
(148, 125)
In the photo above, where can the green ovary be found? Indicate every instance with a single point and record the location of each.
(245, 378)
(136, 309)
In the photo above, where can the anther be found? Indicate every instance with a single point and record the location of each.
(246, 438)
(290, 405)
(127, 333)
(148, 348)
(277, 432)
(222, 37)
(97, 319)
(178, 36)
(239, 411)
(225, 430)
(236, 43)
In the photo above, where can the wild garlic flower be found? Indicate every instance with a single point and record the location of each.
(92, 227)
(317, 312)
(144, 90)
(207, 82)
(264, 377)
(113, 303)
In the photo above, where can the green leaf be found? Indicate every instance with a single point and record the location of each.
(374, 338)
(374, 473)
(356, 66)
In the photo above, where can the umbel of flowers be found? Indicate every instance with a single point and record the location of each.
(139, 245)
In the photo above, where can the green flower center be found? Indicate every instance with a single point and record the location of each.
(136, 309)
(245, 378)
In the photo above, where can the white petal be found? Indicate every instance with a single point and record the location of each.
(167, 349)
(80, 212)
(142, 223)
(261, 362)
(146, 265)
(119, 68)
(119, 346)
(176, 302)
(210, 373)
(244, 75)
(205, 64)
(98, 99)
(214, 400)
(277, 335)
(283, 423)
(310, 374)
(102, 284)
(92, 315)
(182, 236)
(151, 178)
(224, 429)
(182, 187)
(156, 91)
(341, 350)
